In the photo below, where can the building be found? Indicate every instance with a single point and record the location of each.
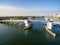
(57, 17)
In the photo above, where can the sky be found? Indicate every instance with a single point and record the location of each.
(29, 7)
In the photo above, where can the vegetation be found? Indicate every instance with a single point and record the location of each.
(19, 17)
(59, 18)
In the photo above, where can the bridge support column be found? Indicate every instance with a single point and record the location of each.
(49, 25)
(26, 23)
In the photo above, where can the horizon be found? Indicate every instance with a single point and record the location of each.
(29, 7)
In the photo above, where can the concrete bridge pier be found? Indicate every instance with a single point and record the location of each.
(26, 23)
(49, 25)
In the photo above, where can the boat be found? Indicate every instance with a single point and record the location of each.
(50, 32)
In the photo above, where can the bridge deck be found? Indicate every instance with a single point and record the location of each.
(22, 20)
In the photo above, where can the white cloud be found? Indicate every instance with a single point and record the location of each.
(10, 11)
(17, 11)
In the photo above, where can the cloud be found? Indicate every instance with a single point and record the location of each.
(10, 11)
(18, 11)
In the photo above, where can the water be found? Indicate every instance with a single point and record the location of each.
(14, 35)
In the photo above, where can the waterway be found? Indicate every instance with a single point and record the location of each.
(15, 35)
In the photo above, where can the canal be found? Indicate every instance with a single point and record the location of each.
(14, 35)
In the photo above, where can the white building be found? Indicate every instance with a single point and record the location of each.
(57, 16)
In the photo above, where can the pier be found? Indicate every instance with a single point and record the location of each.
(50, 32)
(48, 28)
